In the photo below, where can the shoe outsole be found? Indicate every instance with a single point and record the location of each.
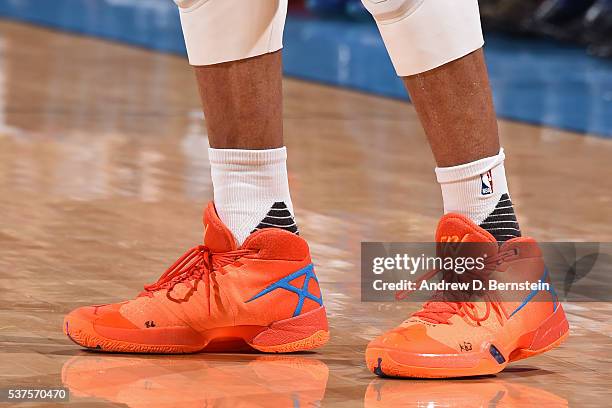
(384, 362)
(301, 333)
(313, 341)
(381, 363)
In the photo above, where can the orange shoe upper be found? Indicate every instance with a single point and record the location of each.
(445, 327)
(217, 285)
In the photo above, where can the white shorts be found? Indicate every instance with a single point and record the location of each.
(218, 31)
(419, 34)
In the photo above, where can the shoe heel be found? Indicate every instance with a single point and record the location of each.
(304, 332)
(549, 335)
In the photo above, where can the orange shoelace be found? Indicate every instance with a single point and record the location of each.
(441, 311)
(196, 264)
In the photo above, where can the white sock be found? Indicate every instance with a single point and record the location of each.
(479, 191)
(251, 190)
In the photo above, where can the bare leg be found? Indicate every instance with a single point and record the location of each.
(455, 106)
(242, 102)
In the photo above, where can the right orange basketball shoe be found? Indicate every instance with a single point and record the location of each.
(217, 297)
(457, 339)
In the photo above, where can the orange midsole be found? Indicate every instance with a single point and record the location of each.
(283, 331)
(548, 334)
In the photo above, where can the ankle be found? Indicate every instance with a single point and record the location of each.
(479, 190)
(251, 190)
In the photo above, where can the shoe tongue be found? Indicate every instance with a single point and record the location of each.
(454, 231)
(217, 236)
(458, 228)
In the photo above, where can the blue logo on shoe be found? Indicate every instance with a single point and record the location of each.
(533, 293)
(303, 293)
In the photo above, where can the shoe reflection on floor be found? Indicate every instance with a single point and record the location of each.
(485, 391)
(195, 381)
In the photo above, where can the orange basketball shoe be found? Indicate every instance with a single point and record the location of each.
(456, 339)
(217, 297)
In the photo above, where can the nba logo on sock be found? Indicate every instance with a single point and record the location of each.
(486, 181)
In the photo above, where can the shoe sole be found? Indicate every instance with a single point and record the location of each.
(396, 363)
(305, 332)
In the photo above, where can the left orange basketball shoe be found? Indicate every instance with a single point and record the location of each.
(217, 297)
(458, 339)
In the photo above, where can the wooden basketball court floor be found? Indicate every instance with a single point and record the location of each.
(103, 177)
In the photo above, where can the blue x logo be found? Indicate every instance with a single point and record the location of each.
(303, 293)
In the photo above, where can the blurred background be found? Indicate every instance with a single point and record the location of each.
(550, 61)
(584, 22)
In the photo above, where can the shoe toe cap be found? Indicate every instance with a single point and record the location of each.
(411, 339)
(96, 316)
(81, 316)
(388, 340)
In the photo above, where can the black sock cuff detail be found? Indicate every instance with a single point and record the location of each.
(279, 216)
(501, 222)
